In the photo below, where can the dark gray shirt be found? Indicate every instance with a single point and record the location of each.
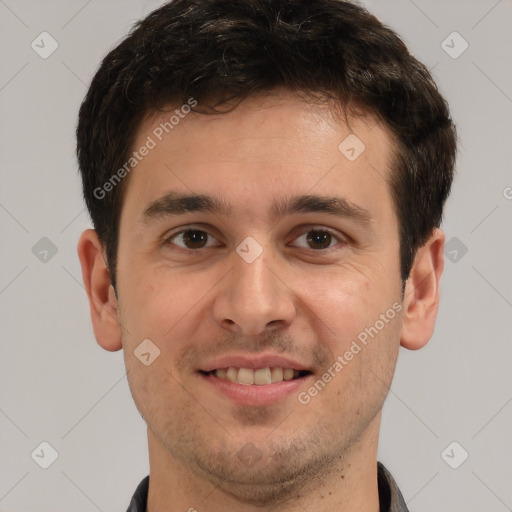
(390, 497)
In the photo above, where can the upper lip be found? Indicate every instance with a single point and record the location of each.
(253, 362)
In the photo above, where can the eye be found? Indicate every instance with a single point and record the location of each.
(319, 239)
(192, 239)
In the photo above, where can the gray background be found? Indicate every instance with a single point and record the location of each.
(58, 386)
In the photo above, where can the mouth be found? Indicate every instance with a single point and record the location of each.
(257, 377)
(259, 381)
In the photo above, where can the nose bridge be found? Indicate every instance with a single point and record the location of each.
(253, 296)
(252, 277)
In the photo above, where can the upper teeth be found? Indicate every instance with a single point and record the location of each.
(260, 377)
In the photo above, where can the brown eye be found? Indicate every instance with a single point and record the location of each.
(191, 239)
(319, 239)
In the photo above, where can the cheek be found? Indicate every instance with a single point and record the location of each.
(154, 388)
(346, 300)
(159, 300)
(361, 333)
(347, 316)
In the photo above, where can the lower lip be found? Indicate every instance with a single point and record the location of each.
(253, 394)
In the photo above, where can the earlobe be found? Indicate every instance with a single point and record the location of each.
(102, 300)
(421, 299)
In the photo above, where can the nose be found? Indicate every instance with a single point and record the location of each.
(254, 297)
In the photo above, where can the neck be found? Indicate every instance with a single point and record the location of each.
(349, 483)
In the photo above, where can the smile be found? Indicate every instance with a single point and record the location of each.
(255, 379)
(259, 376)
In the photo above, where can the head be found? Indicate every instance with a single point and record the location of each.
(251, 103)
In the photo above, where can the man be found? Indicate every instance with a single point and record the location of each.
(266, 181)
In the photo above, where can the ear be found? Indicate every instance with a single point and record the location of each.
(102, 300)
(421, 299)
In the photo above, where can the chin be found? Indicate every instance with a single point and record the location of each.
(263, 474)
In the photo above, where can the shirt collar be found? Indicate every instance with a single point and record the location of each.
(140, 498)
(390, 497)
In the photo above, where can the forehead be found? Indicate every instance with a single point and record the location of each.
(265, 146)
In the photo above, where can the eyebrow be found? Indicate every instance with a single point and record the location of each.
(174, 204)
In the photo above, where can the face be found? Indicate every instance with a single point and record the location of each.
(272, 285)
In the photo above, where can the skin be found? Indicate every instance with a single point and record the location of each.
(295, 299)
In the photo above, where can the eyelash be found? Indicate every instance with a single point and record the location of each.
(338, 238)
